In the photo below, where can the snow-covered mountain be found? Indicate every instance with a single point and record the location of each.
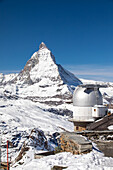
(42, 68)
(43, 80)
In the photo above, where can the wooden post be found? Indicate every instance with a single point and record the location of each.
(7, 157)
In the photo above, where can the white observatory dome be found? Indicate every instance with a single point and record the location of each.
(87, 105)
(87, 96)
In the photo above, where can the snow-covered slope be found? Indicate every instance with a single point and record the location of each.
(31, 130)
(6, 78)
(18, 118)
(91, 161)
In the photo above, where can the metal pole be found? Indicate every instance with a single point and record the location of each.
(7, 157)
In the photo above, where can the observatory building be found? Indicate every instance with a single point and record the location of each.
(87, 105)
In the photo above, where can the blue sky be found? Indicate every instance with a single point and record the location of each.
(78, 32)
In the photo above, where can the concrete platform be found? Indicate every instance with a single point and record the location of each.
(103, 139)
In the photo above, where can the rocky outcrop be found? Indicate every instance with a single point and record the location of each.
(24, 75)
(36, 140)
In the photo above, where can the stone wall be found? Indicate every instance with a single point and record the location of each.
(76, 144)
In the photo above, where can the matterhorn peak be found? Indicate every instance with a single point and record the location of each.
(42, 68)
(44, 79)
(42, 45)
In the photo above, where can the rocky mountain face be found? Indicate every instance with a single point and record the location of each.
(43, 80)
(42, 65)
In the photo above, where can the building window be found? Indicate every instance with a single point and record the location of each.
(77, 127)
(94, 110)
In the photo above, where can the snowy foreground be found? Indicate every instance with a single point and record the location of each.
(18, 117)
(21, 116)
(91, 161)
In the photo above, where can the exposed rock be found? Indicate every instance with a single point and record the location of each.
(23, 151)
(24, 75)
(58, 168)
(42, 45)
(36, 140)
